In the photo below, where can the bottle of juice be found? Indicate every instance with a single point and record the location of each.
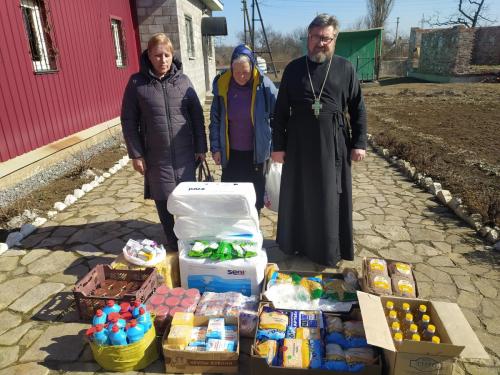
(412, 331)
(415, 337)
(422, 309)
(395, 328)
(436, 340)
(393, 317)
(389, 306)
(424, 323)
(407, 322)
(405, 309)
(398, 338)
(429, 332)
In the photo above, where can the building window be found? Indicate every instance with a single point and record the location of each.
(118, 41)
(189, 36)
(38, 30)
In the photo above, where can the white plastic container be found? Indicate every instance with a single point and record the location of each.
(190, 227)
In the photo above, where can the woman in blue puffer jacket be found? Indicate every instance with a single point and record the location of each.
(240, 132)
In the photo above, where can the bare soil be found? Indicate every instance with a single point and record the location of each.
(42, 200)
(450, 132)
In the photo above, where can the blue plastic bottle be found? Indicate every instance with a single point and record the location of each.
(136, 306)
(135, 332)
(110, 307)
(114, 319)
(144, 319)
(100, 335)
(99, 318)
(117, 336)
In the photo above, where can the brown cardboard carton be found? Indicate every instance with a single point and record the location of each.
(183, 361)
(458, 340)
(365, 284)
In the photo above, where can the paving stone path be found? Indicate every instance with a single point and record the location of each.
(39, 329)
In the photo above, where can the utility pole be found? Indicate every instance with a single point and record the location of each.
(246, 22)
(397, 28)
(422, 21)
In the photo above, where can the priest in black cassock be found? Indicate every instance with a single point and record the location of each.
(319, 127)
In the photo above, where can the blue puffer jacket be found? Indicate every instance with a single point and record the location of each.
(263, 100)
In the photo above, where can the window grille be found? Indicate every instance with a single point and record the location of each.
(119, 42)
(189, 36)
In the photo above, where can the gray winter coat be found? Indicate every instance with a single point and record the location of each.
(163, 122)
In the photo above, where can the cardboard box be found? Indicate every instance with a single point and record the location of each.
(259, 365)
(236, 275)
(457, 337)
(182, 361)
(365, 284)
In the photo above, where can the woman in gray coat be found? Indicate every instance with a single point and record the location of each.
(163, 126)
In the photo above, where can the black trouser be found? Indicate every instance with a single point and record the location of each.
(167, 222)
(241, 168)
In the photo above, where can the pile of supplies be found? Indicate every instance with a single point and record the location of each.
(220, 243)
(386, 277)
(311, 339)
(146, 253)
(311, 291)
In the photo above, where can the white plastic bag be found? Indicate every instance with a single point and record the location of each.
(133, 248)
(188, 227)
(273, 182)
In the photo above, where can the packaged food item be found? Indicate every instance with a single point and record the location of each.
(334, 324)
(273, 320)
(351, 278)
(366, 355)
(354, 328)
(267, 349)
(270, 334)
(183, 319)
(403, 287)
(334, 352)
(216, 328)
(381, 284)
(377, 267)
(295, 353)
(218, 345)
(230, 333)
(191, 348)
(279, 278)
(179, 336)
(198, 336)
(310, 319)
(401, 269)
(315, 353)
(313, 285)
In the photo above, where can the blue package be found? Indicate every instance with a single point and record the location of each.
(336, 366)
(356, 342)
(270, 334)
(336, 338)
(357, 367)
(291, 332)
(306, 319)
(316, 353)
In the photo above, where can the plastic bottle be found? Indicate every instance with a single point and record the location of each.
(424, 323)
(429, 332)
(100, 335)
(135, 308)
(125, 311)
(99, 318)
(436, 340)
(404, 310)
(135, 332)
(395, 328)
(415, 337)
(144, 318)
(412, 331)
(398, 338)
(407, 322)
(389, 306)
(110, 307)
(117, 336)
(422, 309)
(393, 317)
(114, 319)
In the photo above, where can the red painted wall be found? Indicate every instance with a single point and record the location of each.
(87, 88)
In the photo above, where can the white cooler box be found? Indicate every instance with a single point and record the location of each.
(237, 275)
(213, 199)
(188, 227)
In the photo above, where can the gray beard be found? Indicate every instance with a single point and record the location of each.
(320, 57)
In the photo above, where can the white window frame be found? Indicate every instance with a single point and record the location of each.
(188, 24)
(117, 32)
(43, 64)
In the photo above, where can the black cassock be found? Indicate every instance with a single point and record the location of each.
(315, 210)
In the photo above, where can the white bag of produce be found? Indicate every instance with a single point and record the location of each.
(146, 253)
(213, 199)
(189, 227)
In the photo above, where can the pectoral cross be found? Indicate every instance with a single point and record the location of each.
(316, 107)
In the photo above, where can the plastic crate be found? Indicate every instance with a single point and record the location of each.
(87, 303)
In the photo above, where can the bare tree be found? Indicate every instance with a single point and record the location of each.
(360, 23)
(470, 14)
(378, 11)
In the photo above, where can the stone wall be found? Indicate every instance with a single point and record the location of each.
(486, 49)
(168, 16)
(393, 68)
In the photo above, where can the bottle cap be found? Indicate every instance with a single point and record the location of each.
(406, 306)
(137, 303)
(398, 336)
(415, 337)
(110, 302)
(426, 318)
(115, 328)
(393, 314)
(132, 323)
(413, 328)
(431, 328)
(409, 316)
(389, 304)
(99, 328)
(436, 340)
(395, 326)
(422, 308)
(98, 312)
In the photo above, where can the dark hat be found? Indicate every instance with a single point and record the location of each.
(243, 49)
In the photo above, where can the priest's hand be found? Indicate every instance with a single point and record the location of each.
(278, 156)
(139, 165)
(357, 154)
(216, 157)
